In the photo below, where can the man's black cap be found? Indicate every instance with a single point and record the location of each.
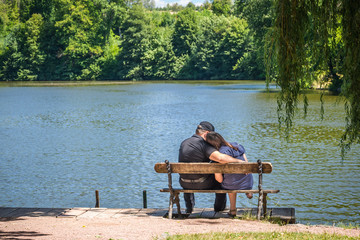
(206, 126)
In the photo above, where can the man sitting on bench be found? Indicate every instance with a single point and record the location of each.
(196, 149)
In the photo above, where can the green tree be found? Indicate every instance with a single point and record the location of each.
(220, 50)
(206, 5)
(136, 40)
(160, 61)
(167, 20)
(30, 7)
(237, 50)
(186, 27)
(221, 7)
(23, 56)
(259, 15)
(191, 5)
(80, 43)
(203, 62)
(108, 62)
(9, 18)
(110, 17)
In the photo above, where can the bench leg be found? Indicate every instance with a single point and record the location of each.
(171, 203)
(265, 204)
(177, 202)
(260, 205)
(174, 198)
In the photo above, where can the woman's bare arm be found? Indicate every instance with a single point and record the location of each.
(223, 158)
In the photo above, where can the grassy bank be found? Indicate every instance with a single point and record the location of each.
(260, 235)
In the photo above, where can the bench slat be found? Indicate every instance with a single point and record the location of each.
(209, 168)
(218, 191)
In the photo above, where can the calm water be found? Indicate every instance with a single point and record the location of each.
(60, 144)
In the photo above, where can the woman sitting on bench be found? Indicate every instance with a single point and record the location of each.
(231, 181)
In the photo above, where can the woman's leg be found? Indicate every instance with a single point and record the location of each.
(232, 197)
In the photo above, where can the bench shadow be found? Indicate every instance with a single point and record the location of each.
(9, 219)
(177, 216)
(28, 235)
(12, 214)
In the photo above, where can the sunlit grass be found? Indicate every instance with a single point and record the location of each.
(348, 226)
(253, 235)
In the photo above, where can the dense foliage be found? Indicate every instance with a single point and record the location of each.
(124, 40)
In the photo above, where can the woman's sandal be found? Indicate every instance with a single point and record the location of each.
(232, 213)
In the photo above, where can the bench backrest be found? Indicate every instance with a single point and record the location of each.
(208, 168)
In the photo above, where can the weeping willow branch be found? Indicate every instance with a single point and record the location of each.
(351, 86)
(288, 45)
(311, 29)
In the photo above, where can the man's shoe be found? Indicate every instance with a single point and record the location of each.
(219, 209)
(249, 195)
(189, 211)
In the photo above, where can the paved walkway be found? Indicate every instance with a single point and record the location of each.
(287, 214)
(78, 212)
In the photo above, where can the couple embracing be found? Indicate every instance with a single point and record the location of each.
(206, 145)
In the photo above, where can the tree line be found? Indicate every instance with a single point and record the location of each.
(129, 40)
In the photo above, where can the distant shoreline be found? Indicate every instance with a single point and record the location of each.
(120, 82)
(59, 83)
(128, 82)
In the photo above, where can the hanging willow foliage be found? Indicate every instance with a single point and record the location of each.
(351, 86)
(287, 42)
(311, 27)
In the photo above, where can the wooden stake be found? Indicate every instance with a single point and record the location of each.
(144, 199)
(97, 204)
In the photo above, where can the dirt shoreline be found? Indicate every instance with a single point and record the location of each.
(135, 227)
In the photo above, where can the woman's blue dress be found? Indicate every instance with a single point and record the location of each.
(236, 181)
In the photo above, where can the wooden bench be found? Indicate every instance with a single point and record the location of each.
(211, 168)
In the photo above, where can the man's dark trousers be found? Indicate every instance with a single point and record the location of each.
(209, 183)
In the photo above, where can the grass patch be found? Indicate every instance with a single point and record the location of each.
(347, 226)
(255, 235)
(248, 215)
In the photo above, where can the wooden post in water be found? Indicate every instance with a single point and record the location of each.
(97, 204)
(144, 199)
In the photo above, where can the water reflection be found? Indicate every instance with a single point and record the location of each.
(61, 144)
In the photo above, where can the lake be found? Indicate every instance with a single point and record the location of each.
(60, 144)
